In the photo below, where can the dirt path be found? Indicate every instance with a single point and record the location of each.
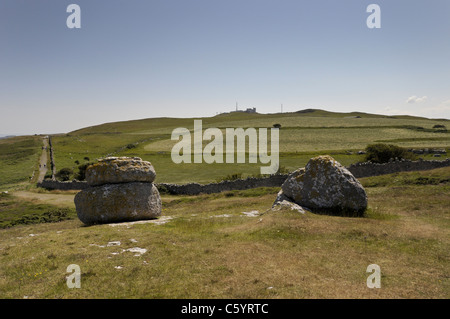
(43, 161)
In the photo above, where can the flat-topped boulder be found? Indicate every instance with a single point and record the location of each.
(324, 185)
(114, 203)
(114, 170)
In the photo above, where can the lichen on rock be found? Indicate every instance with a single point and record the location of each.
(113, 170)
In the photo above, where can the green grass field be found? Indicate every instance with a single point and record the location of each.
(206, 246)
(19, 158)
(302, 135)
(14, 211)
(210, 249)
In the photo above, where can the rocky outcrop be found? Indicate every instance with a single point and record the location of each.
(120, 189)
(324, 185)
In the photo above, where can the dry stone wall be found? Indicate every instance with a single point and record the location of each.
(358, 170)
(368, 169)
(239, 184)
(55, 184)
(52, 159)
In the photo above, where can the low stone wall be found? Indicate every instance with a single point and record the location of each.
(367, 169)
(185, 189)
(359, 170)
(239, 184)
(54, 184)
(52, 158)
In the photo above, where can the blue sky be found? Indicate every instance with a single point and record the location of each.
(189, 58)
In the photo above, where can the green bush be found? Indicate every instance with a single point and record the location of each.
(163, 190)
(64, 174)
(51, 216)
(81, 176)
(130, 146)
(382, 153)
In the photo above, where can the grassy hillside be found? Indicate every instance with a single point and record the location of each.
(229, 245)
(18, 159)
(303, 134)
(208, 248)
(17, 211)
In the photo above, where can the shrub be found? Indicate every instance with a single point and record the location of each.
(230, 177)
(64, 174)
(81, 176)
(51, 216)
(439, 126)
(163, 190)
(277, 125)
(382, 153)
(130, 146)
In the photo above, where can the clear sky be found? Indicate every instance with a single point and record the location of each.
(137, 59)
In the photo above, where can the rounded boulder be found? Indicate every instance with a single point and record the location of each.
(325, 185)
(115, 203)
(114, 170)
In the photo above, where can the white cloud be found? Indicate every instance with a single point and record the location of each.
(415, 99)
(440, 110)
(430, 109)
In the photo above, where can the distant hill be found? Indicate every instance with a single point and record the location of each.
(303, 134)
(2, 136)
(323, 113)
(166, 124)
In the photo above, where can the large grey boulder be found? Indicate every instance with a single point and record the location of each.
(324, 185)
(113, 170)
(118, 203)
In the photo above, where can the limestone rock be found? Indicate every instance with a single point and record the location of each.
(118, 202)
(325, 185)
(283, 201)
(113, 170)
